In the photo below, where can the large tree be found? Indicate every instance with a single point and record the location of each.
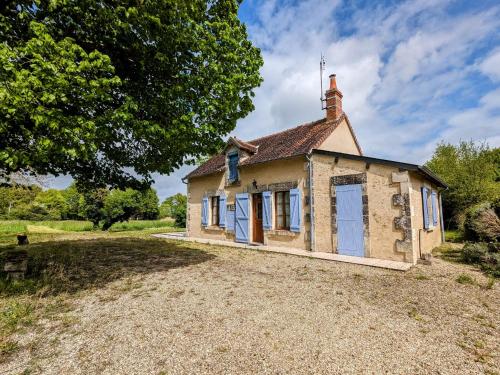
(110, 91)
(471, 171)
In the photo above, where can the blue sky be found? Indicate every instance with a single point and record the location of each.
(412, 73)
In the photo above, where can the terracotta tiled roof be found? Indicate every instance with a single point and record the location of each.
(285, 144)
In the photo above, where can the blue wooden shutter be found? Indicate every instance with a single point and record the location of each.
(434, 208)
(222, 211)
(230, 220)
(233, 167)
(204, 212)
(295, 210)
(425, 208)
(267, 210)
(242, 217)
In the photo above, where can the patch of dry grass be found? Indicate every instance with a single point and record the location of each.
(63, 267)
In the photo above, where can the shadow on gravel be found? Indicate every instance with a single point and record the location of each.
(71, 266)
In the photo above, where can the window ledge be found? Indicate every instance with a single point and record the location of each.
(281, 232)
(233, 183)
(214, 228)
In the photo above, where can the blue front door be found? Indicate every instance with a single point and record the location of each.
(350, 239)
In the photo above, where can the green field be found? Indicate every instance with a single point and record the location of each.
(26, 226)
(43, 230)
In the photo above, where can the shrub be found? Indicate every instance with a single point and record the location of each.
(494, 247)
(481, 223)
(491, 264)
(473, 253)
(486, 255)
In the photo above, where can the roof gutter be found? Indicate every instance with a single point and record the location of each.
(411, 167)
(311, 201)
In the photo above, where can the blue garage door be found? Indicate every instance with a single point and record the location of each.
(350, 239)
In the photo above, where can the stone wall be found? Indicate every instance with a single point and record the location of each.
(379, 210)
(403, 222)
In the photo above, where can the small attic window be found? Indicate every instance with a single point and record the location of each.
(232, 163)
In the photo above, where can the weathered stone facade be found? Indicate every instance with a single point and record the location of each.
(403, 222)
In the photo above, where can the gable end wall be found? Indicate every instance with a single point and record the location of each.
(341, 140)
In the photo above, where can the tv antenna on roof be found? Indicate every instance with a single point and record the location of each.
(321, 69)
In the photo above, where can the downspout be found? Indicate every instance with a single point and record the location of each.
(311, 201)
(441, 219)
(187, 205)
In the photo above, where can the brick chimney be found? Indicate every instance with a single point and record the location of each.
(333, 100)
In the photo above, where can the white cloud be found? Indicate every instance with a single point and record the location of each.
(491, 65)
(479, 123)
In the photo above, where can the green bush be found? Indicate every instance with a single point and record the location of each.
(486, 255)
(494, 247)
(481, 223)
(491, 264)
(473, 253)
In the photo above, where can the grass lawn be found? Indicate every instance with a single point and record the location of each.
(123, 302)
(37, 228)
(454, 236)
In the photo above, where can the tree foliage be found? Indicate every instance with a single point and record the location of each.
(111, 91)
(51, 204)
(16, 201)
(175, 207)
(122, 205)
(471, 171)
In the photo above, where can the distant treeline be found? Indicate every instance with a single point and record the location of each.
(102, 207)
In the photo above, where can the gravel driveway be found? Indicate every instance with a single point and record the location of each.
(245, 312)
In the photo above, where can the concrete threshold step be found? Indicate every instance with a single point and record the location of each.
(372, 262)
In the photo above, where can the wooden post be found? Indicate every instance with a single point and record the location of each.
(22, 239)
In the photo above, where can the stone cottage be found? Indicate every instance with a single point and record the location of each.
(311, 188)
